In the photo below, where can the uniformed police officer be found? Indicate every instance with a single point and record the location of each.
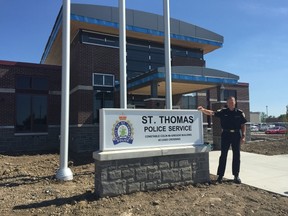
(233, 133)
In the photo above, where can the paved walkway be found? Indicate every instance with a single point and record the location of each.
(265, 172)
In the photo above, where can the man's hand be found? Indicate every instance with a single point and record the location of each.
(200, 108)
(205, 111)
(243, 139)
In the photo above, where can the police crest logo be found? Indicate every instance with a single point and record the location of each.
(122, 131)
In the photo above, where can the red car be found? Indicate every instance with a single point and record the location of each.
(276, 130)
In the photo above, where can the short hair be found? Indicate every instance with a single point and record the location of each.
(231, 97)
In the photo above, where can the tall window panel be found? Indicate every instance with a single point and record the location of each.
(101, 99)
(31, 104)
(142, 55)
(103, 85)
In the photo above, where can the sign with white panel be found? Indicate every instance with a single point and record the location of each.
(139, 128)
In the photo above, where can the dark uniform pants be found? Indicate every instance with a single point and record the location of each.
(227, 139)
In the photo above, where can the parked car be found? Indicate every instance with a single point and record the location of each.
(254, 128)
(263, 127)
(276, 130)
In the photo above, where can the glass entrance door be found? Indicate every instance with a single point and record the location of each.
(102, 99)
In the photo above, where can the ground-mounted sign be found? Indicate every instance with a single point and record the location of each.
(138, 128)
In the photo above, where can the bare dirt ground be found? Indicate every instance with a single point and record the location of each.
(28, 187)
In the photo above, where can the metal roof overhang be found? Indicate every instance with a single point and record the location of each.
(53, 50)
(185, 79)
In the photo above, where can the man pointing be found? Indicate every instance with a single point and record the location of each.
(233, 133)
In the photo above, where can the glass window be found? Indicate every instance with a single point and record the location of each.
(182, 53)
(138, 44)
(101, 99)
(142, 55)
(106, 80)
(192, 53)
(31, 83)
(39, 83)
(23, 112)
(31, 104)
(99, 39)
(195, 54)
(39, 113)
(135, 66)
(157, 50)
(98, 79)
(158, 58)
(154, 65)
(137, 55)
(23, 82)
(31, 113)
(112, 41)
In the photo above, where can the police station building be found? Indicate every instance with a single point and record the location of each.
(30, 94)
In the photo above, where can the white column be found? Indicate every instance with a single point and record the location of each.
(64, 173)
(122, 53)
(167, 54)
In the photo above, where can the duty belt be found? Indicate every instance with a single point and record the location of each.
(230, 130)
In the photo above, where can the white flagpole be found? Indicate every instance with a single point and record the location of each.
(167, 54)
(64, 172)
(122, 53)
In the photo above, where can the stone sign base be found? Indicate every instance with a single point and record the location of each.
(129, 171)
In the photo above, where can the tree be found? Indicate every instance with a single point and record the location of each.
(282, 118)
(263, 117)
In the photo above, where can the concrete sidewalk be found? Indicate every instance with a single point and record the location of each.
(265, 172)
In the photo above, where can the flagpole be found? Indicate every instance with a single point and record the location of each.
(64, 172)
(167, 54)
(122, 53)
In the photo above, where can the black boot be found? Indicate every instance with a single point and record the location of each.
(237, 180)
(220, 179)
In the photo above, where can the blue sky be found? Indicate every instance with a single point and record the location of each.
(255, 38)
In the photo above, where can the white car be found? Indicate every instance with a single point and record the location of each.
(254, 128)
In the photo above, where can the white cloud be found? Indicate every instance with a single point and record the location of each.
(263, 9)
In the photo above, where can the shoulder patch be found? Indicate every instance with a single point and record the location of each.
(241, 111)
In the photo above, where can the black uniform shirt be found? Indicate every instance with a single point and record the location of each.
(231, 120)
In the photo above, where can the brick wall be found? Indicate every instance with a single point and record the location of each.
(7, 109)
(54, 109)
(243, 99)
(86, 60)
(84, 138)
(11, 142)
(154, 103)
(89, 59)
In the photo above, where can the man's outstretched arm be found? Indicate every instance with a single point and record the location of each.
(206, 111)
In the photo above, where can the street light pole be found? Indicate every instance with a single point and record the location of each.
(287, 113)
